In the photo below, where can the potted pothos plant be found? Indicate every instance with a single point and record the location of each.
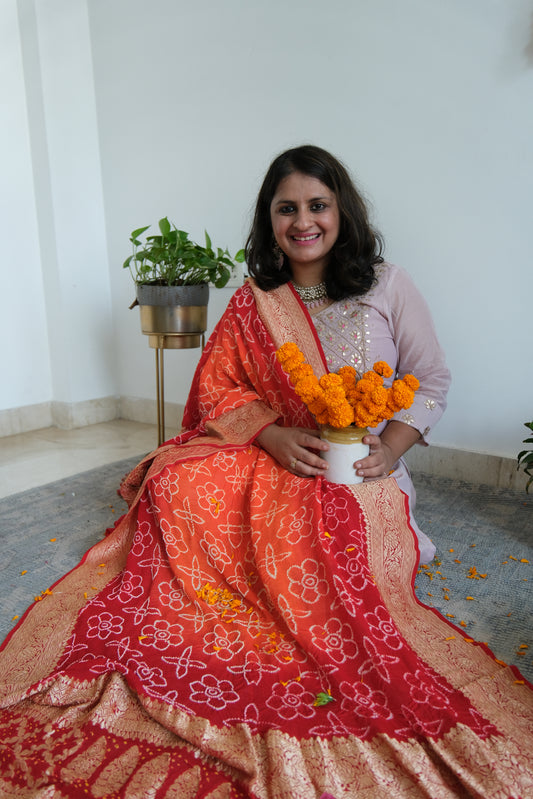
(172, 275)
(525, 458)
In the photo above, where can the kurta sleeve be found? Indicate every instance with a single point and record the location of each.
(419, 351)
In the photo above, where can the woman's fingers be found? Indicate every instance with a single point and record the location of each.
(309, 445)
(304, 446)
(295, 448)
(376, 463)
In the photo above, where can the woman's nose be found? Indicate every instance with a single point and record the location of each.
(302, 220)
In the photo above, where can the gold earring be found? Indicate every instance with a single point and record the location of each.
(279, 255)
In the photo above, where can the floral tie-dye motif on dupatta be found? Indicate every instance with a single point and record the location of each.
(244, 632)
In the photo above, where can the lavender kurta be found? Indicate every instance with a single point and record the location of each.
(391, 323)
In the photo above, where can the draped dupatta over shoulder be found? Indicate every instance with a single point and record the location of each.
(244, 632)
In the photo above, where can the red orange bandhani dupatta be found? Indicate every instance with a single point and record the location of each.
(244, 632)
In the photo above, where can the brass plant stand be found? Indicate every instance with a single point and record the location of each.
(171, 327)
(160, 343)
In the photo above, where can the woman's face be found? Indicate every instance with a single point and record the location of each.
(305, 221)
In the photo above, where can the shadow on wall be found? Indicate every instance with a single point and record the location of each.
(528, 52)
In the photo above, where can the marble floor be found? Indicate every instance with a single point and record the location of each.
(32, 459)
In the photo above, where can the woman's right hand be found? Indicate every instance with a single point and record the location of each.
(295, 448)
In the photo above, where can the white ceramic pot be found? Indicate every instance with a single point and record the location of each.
(345, 447)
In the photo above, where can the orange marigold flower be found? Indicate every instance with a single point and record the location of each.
(379, 396)
(393, 408)
(373, 378)
(289, 350)
(308, 386)
(302, 371)
(371, 407)
(307, 399)
(402, 394)
(331, 380)
(362, 418)
(290, 365)
(353, 395)
(317, 405)
(349, 377)
(366, 385)
(411, 382)
(383, 368)
(341, 417)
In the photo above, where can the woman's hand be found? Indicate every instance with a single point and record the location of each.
(386, 449)
(295, 448)
(379, 461)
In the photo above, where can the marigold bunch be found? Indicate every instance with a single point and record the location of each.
(343, 399)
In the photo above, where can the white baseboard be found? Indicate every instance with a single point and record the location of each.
(65, 415)
(71, 415)
(472, 467)
(135, 409)
(22, 420)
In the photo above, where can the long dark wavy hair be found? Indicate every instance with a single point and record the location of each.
(350, 270)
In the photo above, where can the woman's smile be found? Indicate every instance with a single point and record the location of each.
(306, 239)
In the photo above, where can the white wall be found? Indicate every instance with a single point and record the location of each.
(73, 242)
(56, 239)
(429, 104)
(25, 375)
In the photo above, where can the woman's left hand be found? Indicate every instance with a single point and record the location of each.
(379, 461)
(386, 449)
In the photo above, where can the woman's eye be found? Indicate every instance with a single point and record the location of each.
(318, 206)
(286, 209)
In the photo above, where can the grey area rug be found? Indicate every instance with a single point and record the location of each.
(481, 579)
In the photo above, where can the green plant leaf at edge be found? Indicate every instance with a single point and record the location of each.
(164, 227)
(136, 233)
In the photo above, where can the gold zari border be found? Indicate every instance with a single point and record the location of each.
(468, 667)
(275, 764)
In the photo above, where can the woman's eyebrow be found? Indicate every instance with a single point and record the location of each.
(293, 202)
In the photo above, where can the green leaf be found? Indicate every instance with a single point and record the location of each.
(140, 230)
(322, 698)
(171, 258)
(221, 281)
(164, 226)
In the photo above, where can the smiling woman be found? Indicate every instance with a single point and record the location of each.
(249, 629)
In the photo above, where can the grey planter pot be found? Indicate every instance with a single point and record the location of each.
(173, 295)
(176, 312)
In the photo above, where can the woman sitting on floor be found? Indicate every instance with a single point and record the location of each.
(249, 629)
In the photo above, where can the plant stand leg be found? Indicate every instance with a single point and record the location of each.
(160, 390)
